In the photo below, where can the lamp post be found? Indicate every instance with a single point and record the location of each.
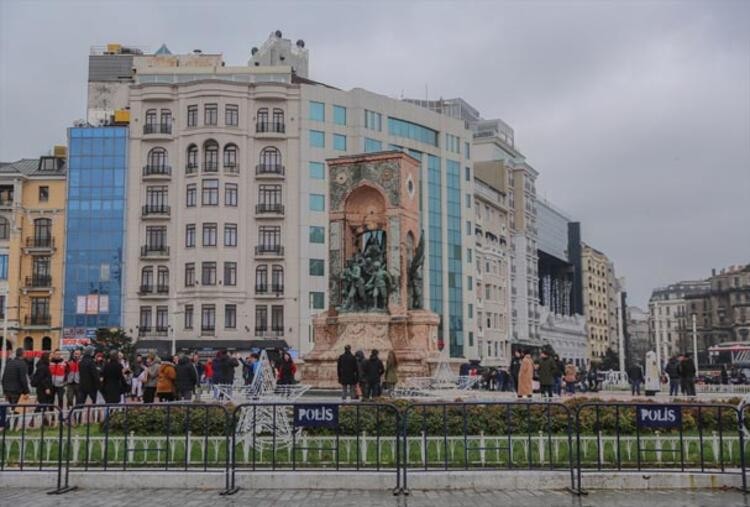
(3, 346)
(695, 345)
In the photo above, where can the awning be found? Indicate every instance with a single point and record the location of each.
(164, 347)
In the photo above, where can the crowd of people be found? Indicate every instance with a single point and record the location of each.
(366, 378)
(90, 376)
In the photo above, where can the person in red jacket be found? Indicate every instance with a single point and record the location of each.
(58, 369)
(208, 371)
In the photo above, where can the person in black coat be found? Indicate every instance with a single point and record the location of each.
(89, 378)
(515, 367)
(15, 378)
(635, 375)
(347, 372)
(287, 369)
(42, 380)
(687, 375)
(186, 378)
(374, 369)
(113, 381)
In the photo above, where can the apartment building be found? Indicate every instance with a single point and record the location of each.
(32, 221)
(599, 300)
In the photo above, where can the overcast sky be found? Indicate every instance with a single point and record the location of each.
(636, 114)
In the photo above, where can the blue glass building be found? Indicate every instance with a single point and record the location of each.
(455, 259)
(94, 229)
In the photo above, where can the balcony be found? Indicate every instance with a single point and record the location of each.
(211, 167)
(38, 282)
(149, 331)
(157, 129)
(273, 290)
(266, 208)
(157, 172)
(40, 320)
(270, 128)
(191, 169)
(232, 168)
(154, 251)
(155, 211)
(269, 251)
(40, 245)
(269, 170)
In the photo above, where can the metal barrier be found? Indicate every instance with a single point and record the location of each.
(45, 451)
(511, 435)
(268, 436)
(663, 436)
(174, 437)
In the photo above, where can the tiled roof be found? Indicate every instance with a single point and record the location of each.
(30, 167)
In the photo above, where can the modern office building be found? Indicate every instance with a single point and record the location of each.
(227, 219)
(94, 231)
(32, 222)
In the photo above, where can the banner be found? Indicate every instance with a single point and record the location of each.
(316, 415)
(658, 416)
(92, 304)
(81, 305)
(104, 304)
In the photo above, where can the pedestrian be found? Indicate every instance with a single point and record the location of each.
(373, 372)
(151, 377)
(687, 375)
(593, 379)
(635, 376)
(208, 372)
(346, 369)
(89, 377)
(673, 374)
(559, 369)
(73, 378)
(571, 377)
(247, 370)
(165, 386)
(361, 377)
(515, 368)
(525, 376)
(198, 365)
(57, 368)
(391, 372)
(547, 373)
(113, 379)
(42, 381)
(286, 369)
(15, 378)
(136, 384)
(724, 375)
(185, 379)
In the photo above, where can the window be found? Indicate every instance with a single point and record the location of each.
(230, 194)
(269, 198)
(230, 274)
(156, 237)
(317, 234)
(373, 120)
(150, 121)
(211, 156)
(317, 267)
(262, 119)
(261, 319)
(317, 202)
(339, 115)
(270, 161)
(317, 170)
(157, 158)
(230, 234)
(261, 279)
(269, 237)
(192, 116)
(317, 300)
(372, 145)
(162, 318)
(162, 279)
(190, 235)
(156, 199)
(339, 142)
(166, 121)
(230, 158)
(189, 274)
(4, 228)
(317, 111)
(43, 194)
(208, 318)
(210, 114)
(147, 279)
(188, 316)
(191, 167)
(452, 143)
(144, 321)
(467, 171)
(230, 316)
(191, 195)
(231, 115)
(210, 193)
(4, 267)
(317, 139)
(277, 319)
(467, 149)
(208, 273)
(403, 128)
(209, 234)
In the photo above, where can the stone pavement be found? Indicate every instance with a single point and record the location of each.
(313, 498)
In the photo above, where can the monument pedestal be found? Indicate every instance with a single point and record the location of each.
(413, 337)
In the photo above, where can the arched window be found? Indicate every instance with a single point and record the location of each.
(46, 343)
(261, 279)
(165, 122)
(192, 159)
(4, 228)
(150, 123)
(147, 279)
(278, 120)
(28, 343)
(162, 279)
(270, 161)
(43, 232)
(210, 156)
(157, 157)
(277, 279)
(262, 120)
(230, 158)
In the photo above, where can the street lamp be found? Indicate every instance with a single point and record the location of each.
(695, 345)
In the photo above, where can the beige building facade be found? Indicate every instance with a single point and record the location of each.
(599, 302)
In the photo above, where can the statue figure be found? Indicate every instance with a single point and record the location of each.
(379, 285)
(354, 285)
(415, 284)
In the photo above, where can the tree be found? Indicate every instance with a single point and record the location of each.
(610, 361)
(113, 339)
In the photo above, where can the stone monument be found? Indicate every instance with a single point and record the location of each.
(375, 276)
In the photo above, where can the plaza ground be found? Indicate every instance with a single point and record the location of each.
(342, 498)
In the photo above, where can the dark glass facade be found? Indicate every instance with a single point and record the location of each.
(455, 262)
(95, 226)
